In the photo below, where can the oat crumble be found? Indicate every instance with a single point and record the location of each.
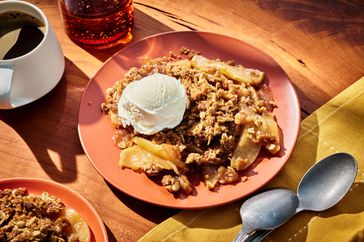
(219, 108)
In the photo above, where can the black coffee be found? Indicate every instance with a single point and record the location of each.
(20, 33)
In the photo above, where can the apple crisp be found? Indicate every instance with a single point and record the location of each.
(228, 119)
(27, 217)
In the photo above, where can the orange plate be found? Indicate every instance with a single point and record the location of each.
(95, 129)
(69, 197)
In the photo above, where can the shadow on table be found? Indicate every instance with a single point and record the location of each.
(144, 25)
(110, 235)
(49, 125)
(151, 212)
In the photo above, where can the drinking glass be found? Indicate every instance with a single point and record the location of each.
(97, 23)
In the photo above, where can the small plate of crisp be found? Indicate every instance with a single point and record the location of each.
(238, 126)
(49, 212)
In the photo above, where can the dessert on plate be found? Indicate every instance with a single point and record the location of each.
(184, 113)
(29, 217)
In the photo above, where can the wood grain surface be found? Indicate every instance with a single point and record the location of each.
(320, 44)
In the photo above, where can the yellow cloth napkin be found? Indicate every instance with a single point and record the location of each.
(338, 126)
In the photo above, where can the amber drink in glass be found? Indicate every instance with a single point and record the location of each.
(98, 23)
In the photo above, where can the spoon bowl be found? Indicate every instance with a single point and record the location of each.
(327, 182)
(268, 209)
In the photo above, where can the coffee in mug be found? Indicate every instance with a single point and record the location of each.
(31, 59)
(20, 33)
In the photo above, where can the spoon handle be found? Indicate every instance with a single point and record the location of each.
(242, 236)
(260, 235)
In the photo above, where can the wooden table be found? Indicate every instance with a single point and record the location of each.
(320, 46)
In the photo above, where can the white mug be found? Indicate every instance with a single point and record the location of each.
(26, 78)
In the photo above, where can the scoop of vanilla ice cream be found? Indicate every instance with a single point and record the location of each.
(153, 103)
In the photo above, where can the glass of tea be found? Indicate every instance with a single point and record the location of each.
(98, 23)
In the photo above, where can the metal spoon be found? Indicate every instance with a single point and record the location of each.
(323, 186)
